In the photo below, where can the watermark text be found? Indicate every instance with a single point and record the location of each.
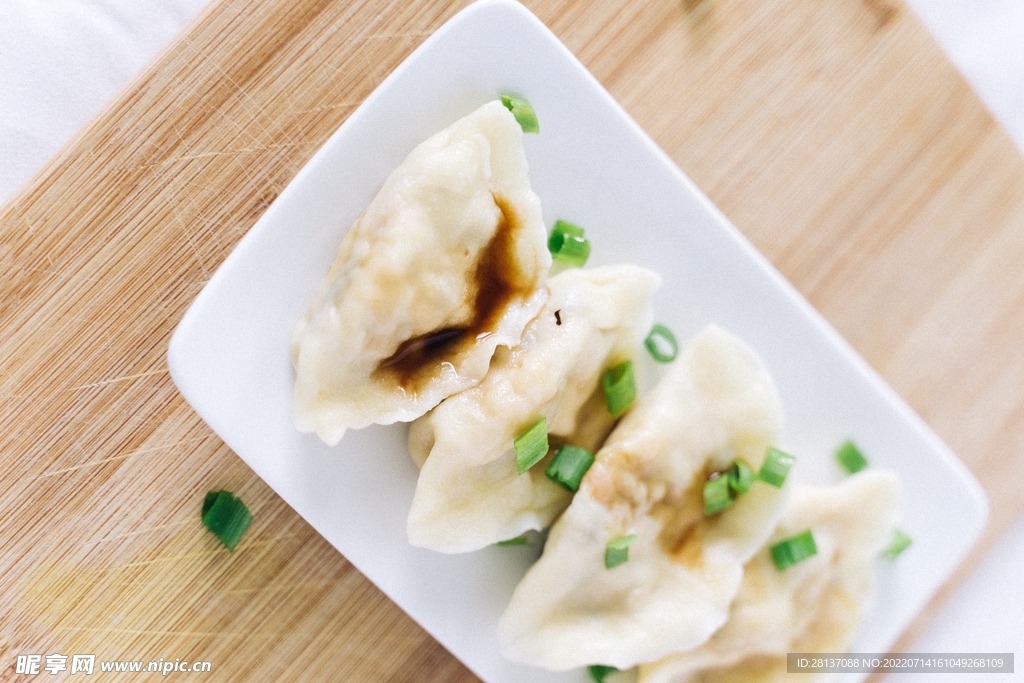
(910, 662)
(35, 665)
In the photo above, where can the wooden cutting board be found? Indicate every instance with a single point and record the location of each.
(835, 135)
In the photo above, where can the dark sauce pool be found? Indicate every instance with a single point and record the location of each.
(498, 279)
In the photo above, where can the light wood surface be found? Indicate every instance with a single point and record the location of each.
(835, 136)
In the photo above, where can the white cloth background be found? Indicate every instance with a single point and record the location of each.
(61, 60)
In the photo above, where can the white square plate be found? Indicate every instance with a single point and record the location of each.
(593, 165)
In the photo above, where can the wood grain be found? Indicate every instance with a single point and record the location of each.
(835, 135)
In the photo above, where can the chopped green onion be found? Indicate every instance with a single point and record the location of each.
(775, 467)
(717, 495)
(569, 465)
(794, 549)
(523, 111)
(211, 496)
(662, 344)
(568, 245)
(599, 671)
(721, 488)
(226, 516)
(850, 457)
(521, 539)
(616, 552)
(619, 388)
(531, 445)
(900, 542)
(741, 477)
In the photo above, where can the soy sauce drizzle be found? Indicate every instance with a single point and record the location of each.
(684, 524)
(497, 280)
(417, 350)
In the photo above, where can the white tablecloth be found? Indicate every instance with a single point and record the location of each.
(61, 60)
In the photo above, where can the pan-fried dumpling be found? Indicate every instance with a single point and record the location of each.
(716, 404)
(813, 606)
(469, 495)
(446, 264)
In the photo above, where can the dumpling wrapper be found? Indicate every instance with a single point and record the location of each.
(813, 606)
(469, 494)
(446, 264)
(716, 403)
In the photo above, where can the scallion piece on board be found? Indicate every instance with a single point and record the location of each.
(619, 388)
(568, 245)
(775, 467)
(850, 457)
(211, 496)
(531, 445)
(741, 477)
(794, 549)
(599, 672)
(521, 539)
(523, 111)
(662, 344)
(900, 542)
(569, 465)
(717, 495)
(226, 516)
(616, 552)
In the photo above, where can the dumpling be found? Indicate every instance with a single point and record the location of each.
(716, 404)
(446, 264)
(469, 495)
(813, 606)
